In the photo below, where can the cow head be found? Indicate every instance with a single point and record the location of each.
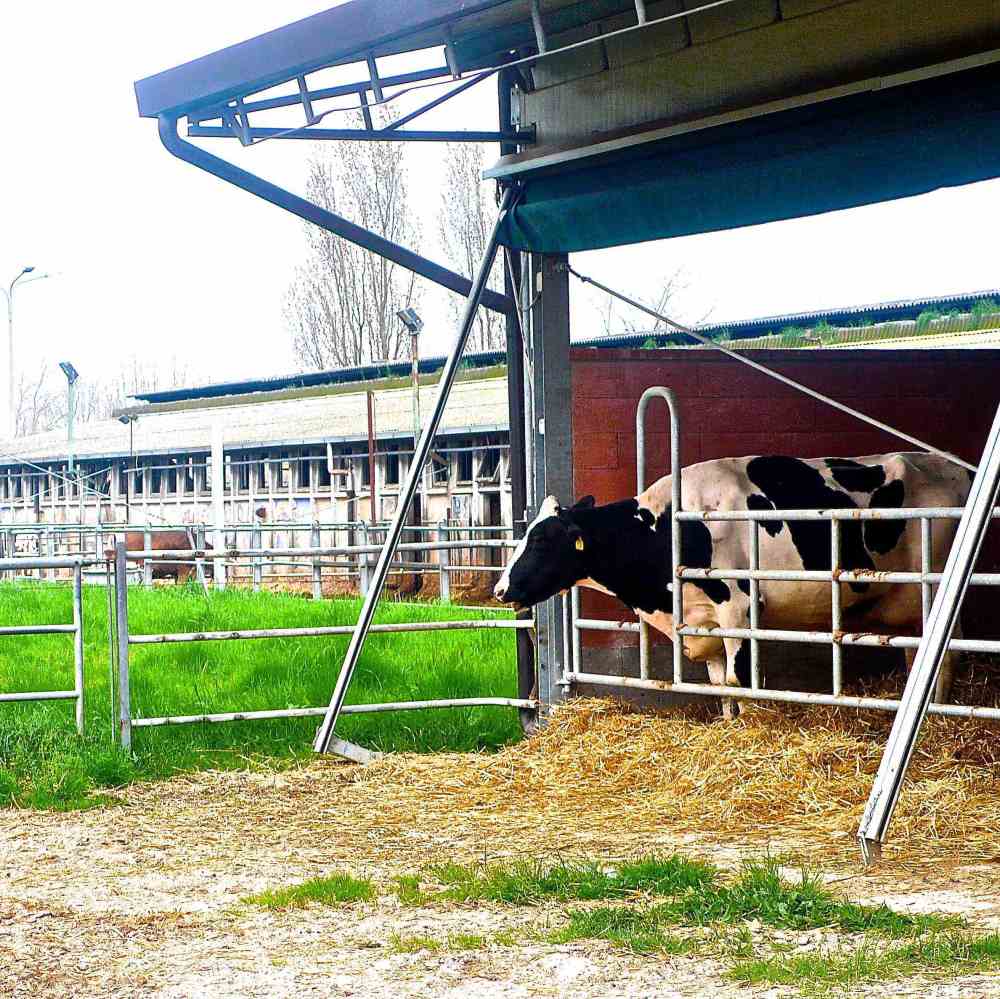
(550, 558)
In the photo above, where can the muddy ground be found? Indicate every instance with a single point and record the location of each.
(143, 897)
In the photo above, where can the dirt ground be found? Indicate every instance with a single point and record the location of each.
(142, 898)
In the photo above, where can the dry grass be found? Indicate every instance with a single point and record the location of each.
(784, 772)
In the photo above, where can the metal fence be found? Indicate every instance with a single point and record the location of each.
(126, 722)
(75, 567)
(279, 560)
(836, 637)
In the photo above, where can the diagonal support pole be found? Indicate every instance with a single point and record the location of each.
(326, 741)
(933, 645)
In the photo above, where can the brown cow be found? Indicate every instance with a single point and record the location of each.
(179, 572)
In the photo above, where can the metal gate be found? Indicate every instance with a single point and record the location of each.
(836, 638)
(75, 565)
(126, 640)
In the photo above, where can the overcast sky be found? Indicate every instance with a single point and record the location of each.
(153, 258)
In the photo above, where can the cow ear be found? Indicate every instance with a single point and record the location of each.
(584, 503)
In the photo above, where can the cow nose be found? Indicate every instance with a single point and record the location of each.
(500, 590)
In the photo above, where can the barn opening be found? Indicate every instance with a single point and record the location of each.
(622, 122)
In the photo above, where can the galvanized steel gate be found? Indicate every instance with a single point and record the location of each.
(939, 615)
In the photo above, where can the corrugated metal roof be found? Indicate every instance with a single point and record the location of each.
(324, 39)
(475, 406)
(875, 312)
(308, 379)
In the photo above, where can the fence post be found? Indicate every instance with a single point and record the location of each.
(315, 539)
(256, 542)
(121, 616)
(444, 575)
(147, 564)
(363, 564)
(78, 643)
(198, 544)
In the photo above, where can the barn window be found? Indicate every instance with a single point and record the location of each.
(366, 471)
(489, 463)
(392, 469)
(322, 473)
(439, 470)
(172, 477)
(465, 466)
(304, 470)
(242, 474)
(155, 480)
(122, 478)
(138, 480)
(188, 476)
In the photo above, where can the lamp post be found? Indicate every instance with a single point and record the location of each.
(11, 402)
(413, 322)
(130, 422)
(72, 375)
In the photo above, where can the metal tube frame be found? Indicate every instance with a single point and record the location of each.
(325, 736)
(75, 565)
(933, 645)
(836, 637)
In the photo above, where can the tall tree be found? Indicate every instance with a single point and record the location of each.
(468, 211)
(341, 307)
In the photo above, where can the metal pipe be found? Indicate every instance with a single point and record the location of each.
(877, 513)
(37, 629)
(925, 568)
(486, 624)
(181, 555)
(786, 696)
(325, 734)
(837, 652)
(846, 576)
(43, 695)
(541, 42)
(121, 621)
(336, 224)
(933, 646)
(348, 709)
(574, 617)
(754, 606)
(78, 646)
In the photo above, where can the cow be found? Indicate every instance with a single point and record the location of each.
(624, 549)
(163, 541)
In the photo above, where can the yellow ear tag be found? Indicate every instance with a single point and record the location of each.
(579, 544)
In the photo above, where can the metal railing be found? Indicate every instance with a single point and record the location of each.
(126, 722)
(271, 563)
(836, 637)
(75, 566)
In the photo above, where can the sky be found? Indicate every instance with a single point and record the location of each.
(152, 259)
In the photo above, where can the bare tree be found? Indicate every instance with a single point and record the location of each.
(42, 399)
(341, 308)
(465, 222)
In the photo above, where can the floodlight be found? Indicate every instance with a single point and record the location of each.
(410, 319)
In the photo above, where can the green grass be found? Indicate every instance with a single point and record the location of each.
(822, 972)
(337, 889)
(528, 882)
(43, 764)
(761, 893)
(637, 930)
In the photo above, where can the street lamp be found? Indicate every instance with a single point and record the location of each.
(72, 375)
(129, 421)
(413, 322)
(9, 293)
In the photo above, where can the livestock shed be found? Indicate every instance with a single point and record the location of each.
(620, 121)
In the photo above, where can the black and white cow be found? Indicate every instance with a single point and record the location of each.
(624, 549)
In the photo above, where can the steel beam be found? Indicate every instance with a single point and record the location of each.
(552, 438)
(329, 221)
(325, 736)
(356, 134)
(933, 646)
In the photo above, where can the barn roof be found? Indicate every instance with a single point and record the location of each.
(475, 406)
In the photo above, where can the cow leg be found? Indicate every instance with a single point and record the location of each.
(717, 677)
(946, 675)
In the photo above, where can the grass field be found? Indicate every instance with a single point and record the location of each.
(43, 764)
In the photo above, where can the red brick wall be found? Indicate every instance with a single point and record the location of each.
(947, 397)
